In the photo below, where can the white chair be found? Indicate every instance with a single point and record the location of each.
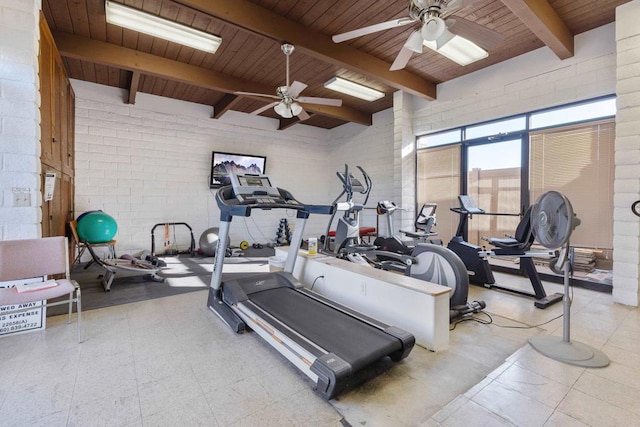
(27, 260)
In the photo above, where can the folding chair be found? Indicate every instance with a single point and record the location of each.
(81, 245)
(27, 261)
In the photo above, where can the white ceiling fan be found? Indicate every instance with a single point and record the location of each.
(436, 31)
(287, 104)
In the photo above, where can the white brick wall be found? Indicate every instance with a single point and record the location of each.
(626, 230)
(529, 82)
(19, 118)
(371, 147)
(149, 163)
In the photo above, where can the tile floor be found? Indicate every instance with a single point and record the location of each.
(171, 361)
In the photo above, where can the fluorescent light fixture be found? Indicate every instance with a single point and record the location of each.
(354, 89)
(459, 50)
(152, 25)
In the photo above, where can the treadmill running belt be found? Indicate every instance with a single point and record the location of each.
(356, 342)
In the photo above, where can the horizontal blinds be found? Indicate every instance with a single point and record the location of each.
(438, 176)
(578, 162)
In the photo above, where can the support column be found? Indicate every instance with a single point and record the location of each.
(626, 226)
(404, 161)
(20, 201)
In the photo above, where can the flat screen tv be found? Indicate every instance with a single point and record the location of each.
(224, 163)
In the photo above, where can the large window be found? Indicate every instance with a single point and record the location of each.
(506, 164)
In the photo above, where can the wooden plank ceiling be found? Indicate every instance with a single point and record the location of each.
(250, 58)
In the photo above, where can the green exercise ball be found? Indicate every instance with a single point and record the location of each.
(97, 227)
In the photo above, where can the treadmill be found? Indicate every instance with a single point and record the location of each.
(325, 340)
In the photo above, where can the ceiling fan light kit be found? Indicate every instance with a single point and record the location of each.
(354, 89)
(287, 110)
(134, 19)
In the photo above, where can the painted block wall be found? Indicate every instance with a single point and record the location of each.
(19, 119)
(372, 148)
(149, 163)
(626, 231)
(529, 82)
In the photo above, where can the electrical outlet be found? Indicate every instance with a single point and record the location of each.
(21, 197)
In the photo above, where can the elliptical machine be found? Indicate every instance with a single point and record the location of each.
(425, 261)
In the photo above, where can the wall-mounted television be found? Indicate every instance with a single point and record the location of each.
(224, 163)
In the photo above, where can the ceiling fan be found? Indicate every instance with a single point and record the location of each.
(438, 27)
(287, 104)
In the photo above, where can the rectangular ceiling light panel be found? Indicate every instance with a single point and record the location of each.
(354, 89)
(459, 50)
(155, 26)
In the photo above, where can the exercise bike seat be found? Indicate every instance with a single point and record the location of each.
(520, 242)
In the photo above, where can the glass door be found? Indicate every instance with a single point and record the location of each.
(494, 180)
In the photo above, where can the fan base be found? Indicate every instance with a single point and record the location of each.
(572, 353)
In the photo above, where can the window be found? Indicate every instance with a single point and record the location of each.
(496, 128)
(574, 113)
(507, 164)
(441, 138)
(578, 161)
(438, 176)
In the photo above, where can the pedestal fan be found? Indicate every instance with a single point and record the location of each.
(553, 222)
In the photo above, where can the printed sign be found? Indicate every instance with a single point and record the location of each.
(34, 319)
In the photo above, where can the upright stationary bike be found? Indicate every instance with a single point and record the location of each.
(519, 245)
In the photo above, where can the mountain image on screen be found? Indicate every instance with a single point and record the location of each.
(227, 167)
(223, 169)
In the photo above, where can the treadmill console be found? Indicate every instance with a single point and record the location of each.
(257, 190)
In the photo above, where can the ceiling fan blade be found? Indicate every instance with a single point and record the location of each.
(320, 101)
(371, 29)
(265, 108)
(413, 44)
(256, 94)
(482, 36)
(402, 59)
(295, 88)
(303, 115)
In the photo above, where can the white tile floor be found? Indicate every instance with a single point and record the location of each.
(172, 362)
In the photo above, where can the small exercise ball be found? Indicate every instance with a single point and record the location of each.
(209, 241)
(97, 227)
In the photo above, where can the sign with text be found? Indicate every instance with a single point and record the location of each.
(33, 319)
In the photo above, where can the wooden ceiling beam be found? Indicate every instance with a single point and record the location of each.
(225, 104)
(545, 23)
(258, 20)
(133, 87)
(103, 53)
(287, 123)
